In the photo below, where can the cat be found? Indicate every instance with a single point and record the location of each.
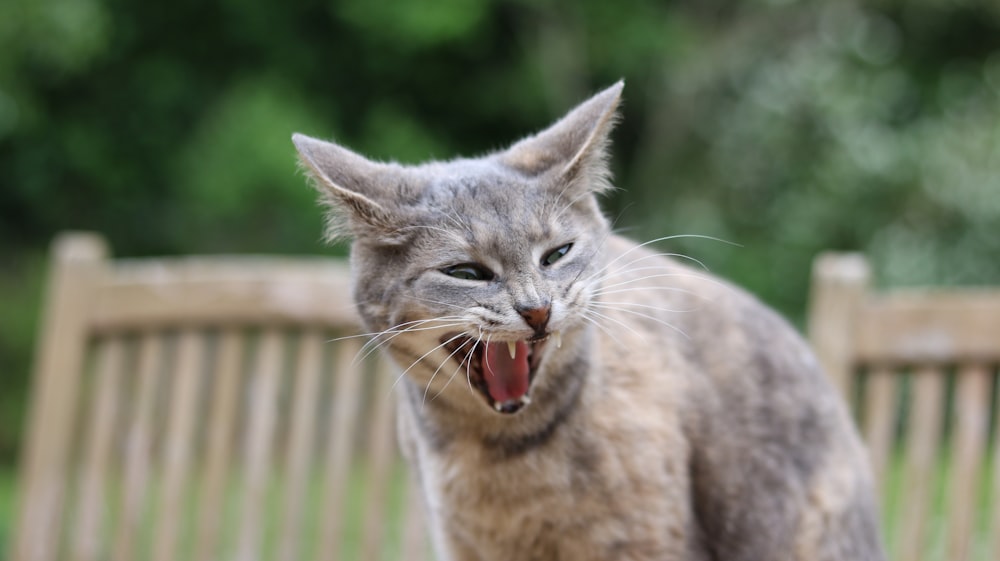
(568, 394)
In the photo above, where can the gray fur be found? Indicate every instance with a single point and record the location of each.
(679, 420)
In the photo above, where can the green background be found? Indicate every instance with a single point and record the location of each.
(786, 127)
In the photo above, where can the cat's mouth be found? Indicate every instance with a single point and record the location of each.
(501, 371)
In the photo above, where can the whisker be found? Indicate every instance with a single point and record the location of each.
(662, 239)
(653, 318)
(377, 333)
(393, 335)
(708, 279)
(438, 369)
(467, 361)
(598, 325)
(422, 357)
(614, 305)
(640, 279)
(468, 367)
(638, 288)
(627, 268)
(619, 322)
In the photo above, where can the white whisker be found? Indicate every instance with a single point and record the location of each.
(640, 279)
(615, 304)
(422, 357)
(597, 324)
(438, 369)
(393, 335)
(639, 288)
(652, 318)
(467, 362)
(665, 238)
(619, 322)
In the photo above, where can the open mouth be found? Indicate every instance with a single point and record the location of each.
(502, 371)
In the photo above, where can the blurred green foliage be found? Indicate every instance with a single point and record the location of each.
(786, 127)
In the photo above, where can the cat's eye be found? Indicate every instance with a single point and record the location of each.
(556, 254)
(468, 271)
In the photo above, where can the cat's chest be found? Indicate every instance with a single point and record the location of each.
(512, 511)
(571, 501)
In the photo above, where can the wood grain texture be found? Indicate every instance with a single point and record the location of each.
(78, 269)
(923, 326)
(971, 412)
(339, 448)
(879, 416)
(190, 422)
(177, 458)
(222, 420)
(224, 291)
(922, 444)
(92, 501)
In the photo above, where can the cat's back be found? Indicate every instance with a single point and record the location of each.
(758, 415)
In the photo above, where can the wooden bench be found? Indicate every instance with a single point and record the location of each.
(208, 409)
(211, 408)
(920, 369)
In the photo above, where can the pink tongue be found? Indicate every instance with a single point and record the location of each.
(506, 377)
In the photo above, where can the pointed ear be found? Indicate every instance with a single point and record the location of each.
(575, 147)
(350, 186)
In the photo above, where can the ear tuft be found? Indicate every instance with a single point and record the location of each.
(575, 147)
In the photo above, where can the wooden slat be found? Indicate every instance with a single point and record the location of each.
(78, 268)
(339, 450)
(225, 291)
(922, 450)
(972, 411)
(300, 450)
(879, 418)
(380, 458)
(91, 513)
(138, 447)
(925, 326)
(839, 284)
(223, 410)
(260, 440)
(179, 437)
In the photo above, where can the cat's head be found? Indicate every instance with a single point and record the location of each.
(477, 269)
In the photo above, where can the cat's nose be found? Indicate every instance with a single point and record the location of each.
(537, 318)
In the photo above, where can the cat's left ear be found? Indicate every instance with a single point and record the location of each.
(575, 148)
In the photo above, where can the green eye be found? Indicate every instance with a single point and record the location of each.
(468, 271)
(556, 255)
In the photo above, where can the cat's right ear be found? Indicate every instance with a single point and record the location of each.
(349, 185)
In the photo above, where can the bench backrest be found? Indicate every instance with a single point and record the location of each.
(208, 409)
(920, 369)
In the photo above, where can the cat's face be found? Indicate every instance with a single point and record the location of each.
(476, 272)
(495, 265)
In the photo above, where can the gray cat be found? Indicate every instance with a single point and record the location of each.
(569, 394)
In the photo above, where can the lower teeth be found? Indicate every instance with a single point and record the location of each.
(511, 405)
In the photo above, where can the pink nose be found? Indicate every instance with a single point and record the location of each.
(537, 318)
